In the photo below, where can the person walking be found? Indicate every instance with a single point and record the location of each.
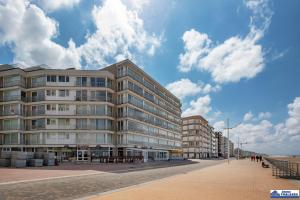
(256, 158)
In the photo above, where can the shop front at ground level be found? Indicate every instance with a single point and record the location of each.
(88, 153)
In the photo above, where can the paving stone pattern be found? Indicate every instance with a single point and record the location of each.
(78, 187)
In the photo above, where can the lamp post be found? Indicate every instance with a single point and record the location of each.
(228, 136)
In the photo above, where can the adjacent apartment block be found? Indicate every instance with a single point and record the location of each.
(198, 138)
(116, 111)
(231, 148)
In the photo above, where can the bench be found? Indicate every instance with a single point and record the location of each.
(264, 165)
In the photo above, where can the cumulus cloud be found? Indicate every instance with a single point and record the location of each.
(263, 136)
(201, 106)
(236, 58)
(119, 34)
(264, 115)
(185, 87)
(248, 116)
(53, 5)
(29, 32)
(219, 126)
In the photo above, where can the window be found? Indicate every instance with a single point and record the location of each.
(63, 122)
(63, 93)
(97, 82)
(51, 121)
(63, 107)
(51, 78)
(51, 92)
(81, 81)
(63, 79)
(51, 106)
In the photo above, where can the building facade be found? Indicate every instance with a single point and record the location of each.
(221, 148)
(197, 137)
(118, 110)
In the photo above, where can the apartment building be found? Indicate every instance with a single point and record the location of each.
(118, 110)
(221, 148)
(214, 144)
(197, 137)
(231, 148)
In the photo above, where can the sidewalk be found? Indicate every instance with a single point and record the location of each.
(14, 175)
(235, 181)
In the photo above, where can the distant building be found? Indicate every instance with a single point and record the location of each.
(221, 149)
(214, 145)
(197, 138)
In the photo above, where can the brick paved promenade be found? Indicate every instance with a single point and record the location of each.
(83, 186)
(235, 181)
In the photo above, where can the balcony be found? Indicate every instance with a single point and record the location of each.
(35, 127)
(12, 98)
(35, 99)
(10, 113)
(93, 98)
(12, 84)
(92, 127)
(36, 113)
(38, 84)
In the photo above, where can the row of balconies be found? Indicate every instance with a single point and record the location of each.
(45, 98)
(21, 83)
(62, 113)
(156, 112)
(136, 77)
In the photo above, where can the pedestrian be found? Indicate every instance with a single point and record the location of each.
(256, 158)
(260, 158)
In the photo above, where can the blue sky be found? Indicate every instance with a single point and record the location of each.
(224, 59)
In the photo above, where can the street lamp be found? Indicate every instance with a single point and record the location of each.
(228, 136)
(240, 143)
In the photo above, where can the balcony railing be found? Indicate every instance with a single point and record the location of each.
(36, 127)
(11, 98)
(10, 113)
(89, 84)
(93, 98)
(12, 83)
(36, 112)
(38, 84)
(35, 98)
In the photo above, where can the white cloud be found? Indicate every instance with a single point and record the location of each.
(185, 87)
(263, 136)
(199, 107)
(52, 5)
(120, 32)
(264, 115)
(29, 31)
(236, 58)
(248, 116)
(293, 122)
(196, 45)
(219, 126)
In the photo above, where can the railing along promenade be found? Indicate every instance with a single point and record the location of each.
(284, 168)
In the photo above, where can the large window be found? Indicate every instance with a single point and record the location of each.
(51, 92)
(98, 95)
(81, 81)
(98, 109)
(63, 107)
(63, 93)
(51, 107)
(63, 79)
(51, 78)
(97, 82)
